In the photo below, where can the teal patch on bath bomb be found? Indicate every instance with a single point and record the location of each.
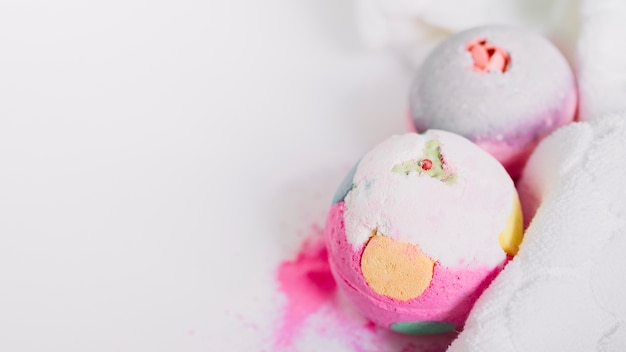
(346, 186)
(422, 327)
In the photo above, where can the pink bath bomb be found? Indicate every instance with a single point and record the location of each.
(419, 228)
(504, 88)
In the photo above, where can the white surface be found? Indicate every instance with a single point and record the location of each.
(159, 158)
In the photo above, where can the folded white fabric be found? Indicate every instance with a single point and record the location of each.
(566, 289)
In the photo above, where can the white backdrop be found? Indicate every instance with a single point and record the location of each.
(158, 159)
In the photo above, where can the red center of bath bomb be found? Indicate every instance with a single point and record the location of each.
(426, 164)
(487, 57)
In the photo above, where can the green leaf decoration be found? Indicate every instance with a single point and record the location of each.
(433, 164)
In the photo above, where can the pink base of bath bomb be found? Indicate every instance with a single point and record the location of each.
(448, 299)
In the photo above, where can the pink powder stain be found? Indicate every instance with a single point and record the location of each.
(307, 283)
(311, 291)
(370, 326)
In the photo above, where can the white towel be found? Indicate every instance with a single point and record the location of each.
(566, 289)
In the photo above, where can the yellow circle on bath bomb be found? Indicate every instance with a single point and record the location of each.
(513, 233)
(397, 270)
